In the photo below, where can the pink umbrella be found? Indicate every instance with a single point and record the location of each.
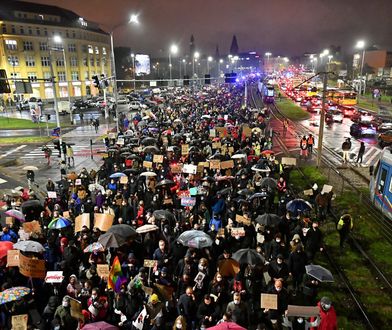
(226, 326)
(100, 326)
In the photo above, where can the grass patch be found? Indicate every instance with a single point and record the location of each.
(15, 123)
(313, 175)
(290, 109)
(368, 104)
(25, 139)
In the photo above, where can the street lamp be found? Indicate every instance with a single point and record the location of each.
(134, 71)
(268, 54)
(330, 58)
(361, 45)
(196, 55)
(219, 64)
(133, 19)
(209, 59)
(173, 50)
(184, 61)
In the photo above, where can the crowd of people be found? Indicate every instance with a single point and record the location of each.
(198, 228)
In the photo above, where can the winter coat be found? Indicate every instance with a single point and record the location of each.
(297, 262)
(239, 313)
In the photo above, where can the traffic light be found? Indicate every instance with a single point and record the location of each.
(4, 86)
(230, 77)
(95, 81)
(207, 79)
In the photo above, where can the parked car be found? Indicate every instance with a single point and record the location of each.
(80, 105)
(136, 105)
(361, 129)
(385, 139)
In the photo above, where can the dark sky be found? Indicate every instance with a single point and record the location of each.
(285, 27)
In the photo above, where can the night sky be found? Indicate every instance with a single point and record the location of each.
(284, 27)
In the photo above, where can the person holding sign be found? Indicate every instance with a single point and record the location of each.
(63, 315)
(283, 301)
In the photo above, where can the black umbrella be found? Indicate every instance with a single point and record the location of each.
(244, 192)
(125, 154)
(319, 273)
(248, 256)
(131, 171)
(208, 178)
(148, 141)
(268, 182)
(123, 230)
(258, 195)
(111, 240)
(163, 214)
(151, 149)
(33, 203)
(298, 205)
(134, 157)
(165, 182)
(268, 219)
(225, 191)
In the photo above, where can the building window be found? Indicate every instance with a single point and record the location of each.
(38, 31)
(85, 62)
(32, 76)
(60, 61)
(98, 62)
(11, 44)
(67, 33)
(61, 75)
(74, 61)
(84, 48)
(30, 30)
(90, 49)
(13, 60)
(73, 34)
(47, 75)
(15, 75)
(103, 50)
(43, 46)
(45, 31)
(27, 45)
(91, 61)
(30, 61)
(45, 60)
(21, 30)
(72, 48)
(4, 28)
(96, 50)
(75, 75)
(13, 29)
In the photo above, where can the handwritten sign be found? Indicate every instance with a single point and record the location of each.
(212, 133)
(32, 227)
(52, 194)
(185, 149)
(13, 258)
(9, 221)
(303, 311)
(231, 150)
(215, 164)
(103, 221)
(76, 309)
(308, 192)
(78, 182)
(123, 180)
(103, 270)
(326, 189)
(188, 201)
(289, 161)
(175, 169)
(269, 301)
(19, 322)
(239, 231)
(204, 164)
(227, 164)
(189, 169)
(30, 267)
(184, 193)
(242, 219)
(149, 263)
(112, 136)
(54, 277)
(82, 220)
(120, 141)
(216, 145)
(147, 164)
(157, 159)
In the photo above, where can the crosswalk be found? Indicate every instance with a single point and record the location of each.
(82, 150)
(86, 131)
(370, 156)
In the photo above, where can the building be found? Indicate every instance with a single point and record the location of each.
(28, 46)
(376, 63)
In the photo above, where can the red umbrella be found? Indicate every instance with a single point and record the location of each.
(100, 326)
(267, 152)
(4, 247)
(226, 326)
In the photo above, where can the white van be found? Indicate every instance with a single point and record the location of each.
(64, 107)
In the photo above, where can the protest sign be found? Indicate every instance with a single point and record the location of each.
(76, 309)
(120, 141)
(184, 193)
(302, 311)
(326, 189)
(148, 263)
(246, 131)
(13, 258)
(242, 219)
(199, 277)
(112, 135)
(9, 221)
(189, 169)
(227, 164)
(308, 192)
(222, 131)
(289, 161)
(215, 164)
(82, 220)
(188, 201)
(175, 169)
(30, 267)
(221, 232)
(19, 322)
(149, 291)
(123, 180)
(238, 231)
(52, 194)
(103, 270)
(32, 227)
(147, 164)
(103, 221)
(231, 150)
(216, 145)
(269, 301)
(212, 133)
(78, 182)
(54, 277)
(185, 149)
(157, 159)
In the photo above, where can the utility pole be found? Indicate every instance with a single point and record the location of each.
(322, 120)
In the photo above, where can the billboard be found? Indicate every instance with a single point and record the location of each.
(142, 64)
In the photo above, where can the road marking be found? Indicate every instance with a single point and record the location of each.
(2, 181)
(13, 150)
(367, 153)
(370, 160)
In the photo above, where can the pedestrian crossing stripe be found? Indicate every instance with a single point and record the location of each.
(368, 158)
(78, 150)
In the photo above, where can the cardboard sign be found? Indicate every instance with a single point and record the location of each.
(189, 169)
(103, 221)
(242, 219)
(216, 145)
(30, 267)
(239, 231)
(82, 220)
(103, 270)
(188, 201)
(303, 311)
(231, 150)
(157, 159)
(199, 277)
(147, 164)
(289, 161)
(13, 258)
(227, 164)
(123, 180)
(200, 168)
(32, 227)
(326, 189)
(165, 291)
(19, 322)
(204, 164)
(215, 164)
(185, 149)
(269, 301)
(149, 263)
(120, 141)
(54, 277)
(308, 192)
(221, 232)
(66, 214)
(212, 133)
(112, 135)
(9, 221)
(76, 309)
(222, 131)
(175, 169)
(52, 194)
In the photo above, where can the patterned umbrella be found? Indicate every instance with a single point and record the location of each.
(4, 247)
(94, 247)
(195, 238)
(13, 294)
(117, 175)
(15, 214)
(59, 223)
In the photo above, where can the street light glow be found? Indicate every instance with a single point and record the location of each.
(326, 52)
(174, 49)
(210, 58)
(286, 59)
(57, 39)
(196, 55)
(134, 19)
(360, 44)
(220, 61)
(132, 55)
(268, 54)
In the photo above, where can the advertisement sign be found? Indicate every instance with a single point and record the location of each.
(142, 64)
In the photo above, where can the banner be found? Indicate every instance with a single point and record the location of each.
(82, 220)
(30, 267)
(13, 258)
(188, 201)
(103, 221)
(54, 277)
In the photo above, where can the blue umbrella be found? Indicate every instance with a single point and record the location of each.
(117, 175)
(59, 223)
(298, 205)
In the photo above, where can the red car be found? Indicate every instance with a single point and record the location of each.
(347, 111)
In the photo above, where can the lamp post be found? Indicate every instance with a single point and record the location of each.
(173, 50)
(361, 45)
(196, 55)
(268, 54)
(209, 60)
(219, 64)
(132, 20)
(134, 71)
(184, 61)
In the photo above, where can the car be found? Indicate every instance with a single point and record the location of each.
(385, 138)
(362, 116)
(23, 105)
(334, 116)
(135, 105)
(347, 111)
(80, 105)
(384, 127)
(122, 100)
(361, 129)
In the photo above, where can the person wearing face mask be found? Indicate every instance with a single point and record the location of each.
(179, 323)
(239, 310)
(278, 269)
(277, 246)
(327, 315)
(283, 301)
(314, 241)
(63, 315)
(297, 262)
(219, 289)
(187, 307)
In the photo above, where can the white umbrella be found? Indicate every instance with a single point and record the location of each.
(148, 174)
(96, 186)
(30, 168)
(29, 246)
(146, 228)
(238, 156)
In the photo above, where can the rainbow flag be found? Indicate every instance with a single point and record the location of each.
(116, 277)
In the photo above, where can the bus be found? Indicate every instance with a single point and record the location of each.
(268, 94)
(342, 97)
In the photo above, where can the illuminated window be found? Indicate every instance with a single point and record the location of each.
(47, 75)
(96, 50)
(90, 49)
(43, 46)
(13, 60)
(60, 61)
(62, 76)
(72, 48)
(11, 44)
(73, 61)
(75, 75)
